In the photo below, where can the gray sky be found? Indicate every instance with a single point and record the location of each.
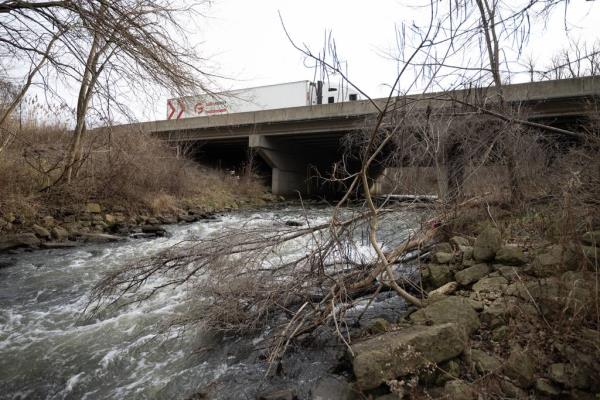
(246, 40)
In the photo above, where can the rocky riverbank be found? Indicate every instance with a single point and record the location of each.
(95, 222)
(501, 320)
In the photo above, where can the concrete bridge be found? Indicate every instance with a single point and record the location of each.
(292, 142)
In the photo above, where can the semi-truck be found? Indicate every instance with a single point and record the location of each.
(283, 95)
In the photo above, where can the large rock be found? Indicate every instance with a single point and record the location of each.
(451, 309)
(491, 287)
(41, 232)
(444, 258)
(471, 274)
(399, 353)
(520, 367)
(59, 233)
(510, 255)
(459, 390)
(93, 208)
(19, 241)
(483, 362)
(439, 275)
(487, 244)
(333, 388)
(458, 241)
(555, 259)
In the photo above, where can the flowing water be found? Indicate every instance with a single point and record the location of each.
(50, 350)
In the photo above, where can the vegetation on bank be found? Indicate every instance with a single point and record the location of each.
(128, 178)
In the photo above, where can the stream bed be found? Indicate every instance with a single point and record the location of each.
(49, 349)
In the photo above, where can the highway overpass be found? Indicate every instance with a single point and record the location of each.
(292, 141)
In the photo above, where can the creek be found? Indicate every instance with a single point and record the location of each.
(50, 349)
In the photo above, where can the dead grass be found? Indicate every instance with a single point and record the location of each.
(127, 170)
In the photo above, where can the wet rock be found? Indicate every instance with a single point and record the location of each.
(520, 367)
(591, 238)
(459, 390)
(545, 387)
(484, 363)
(399, 353)
(284, 394)
(510, 255)
(22, 240)
(293, 223)
(471, 274)
(443, 258)
(93, 208)
(59, 233)
(41, 232)
(168, 219)
(333, 388)
(487, 244)
(155, 230)
(451, 309)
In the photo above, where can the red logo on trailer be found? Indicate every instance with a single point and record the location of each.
(182, 108)
(170, 109)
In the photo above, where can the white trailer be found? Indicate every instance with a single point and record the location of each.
(283, 95)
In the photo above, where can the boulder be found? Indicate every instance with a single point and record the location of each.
(439, 275)
(444, 247)
(591, 238)
(378, 325)
(59, 245)
(59, 233)
(487, 244)
(491, 286)
(545, 387)
(168, 219)
(48, 221)
(443, 258)
(512, 391)
(459, 390)
(483, 362)
(553, 260)
(93, 208)
(293, 223)
(569, 375)
(21, 240)
(510, 255)
(155, 230)
(471, 274)
(41, 232)
(399, 353)
(458, 241)
(451, 309)
(520, 367)
(333, 388)
(110, 219)
(467, 252)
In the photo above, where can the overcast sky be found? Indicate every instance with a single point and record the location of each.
(246, 39)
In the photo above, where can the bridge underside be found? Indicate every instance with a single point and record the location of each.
(290, 164)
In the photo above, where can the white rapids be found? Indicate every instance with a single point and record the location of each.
(50, 350)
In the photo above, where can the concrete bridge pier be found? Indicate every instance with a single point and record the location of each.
(288, 169)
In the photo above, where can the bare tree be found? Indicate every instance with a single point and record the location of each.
(137, 41)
